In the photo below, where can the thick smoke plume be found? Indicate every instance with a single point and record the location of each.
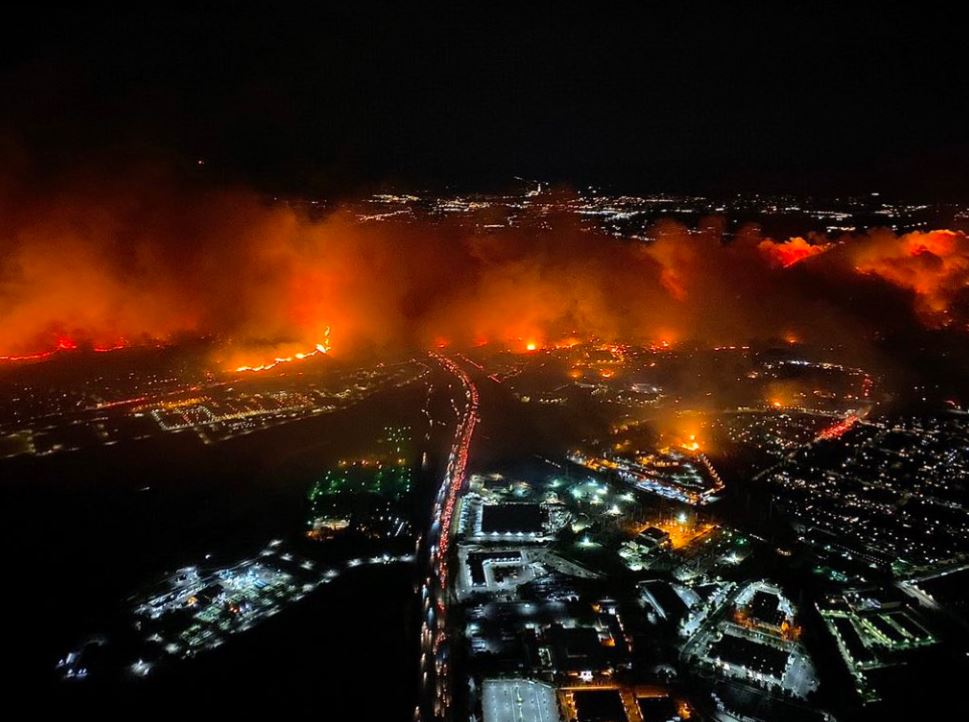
(101, 265)
(934, 266)
(793, 251)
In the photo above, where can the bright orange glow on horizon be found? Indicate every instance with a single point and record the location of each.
(114, 263)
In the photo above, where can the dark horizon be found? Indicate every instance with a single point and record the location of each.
(639, 99)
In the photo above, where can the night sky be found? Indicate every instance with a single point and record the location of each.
(369, 95)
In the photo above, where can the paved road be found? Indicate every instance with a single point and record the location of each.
(435, 670)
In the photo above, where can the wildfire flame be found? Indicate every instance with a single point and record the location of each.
(319, 349)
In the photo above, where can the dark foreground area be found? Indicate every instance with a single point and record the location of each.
(74, 559)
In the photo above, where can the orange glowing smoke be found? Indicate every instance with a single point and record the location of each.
(791, 252)
(683, 431)
(933, 265)
(785, 393)
(108, 264)
(691, 444)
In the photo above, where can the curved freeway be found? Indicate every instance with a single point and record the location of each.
(435, 670)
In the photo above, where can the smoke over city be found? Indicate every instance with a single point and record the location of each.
(100, 265)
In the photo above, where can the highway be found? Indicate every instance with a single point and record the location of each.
(435, 669)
